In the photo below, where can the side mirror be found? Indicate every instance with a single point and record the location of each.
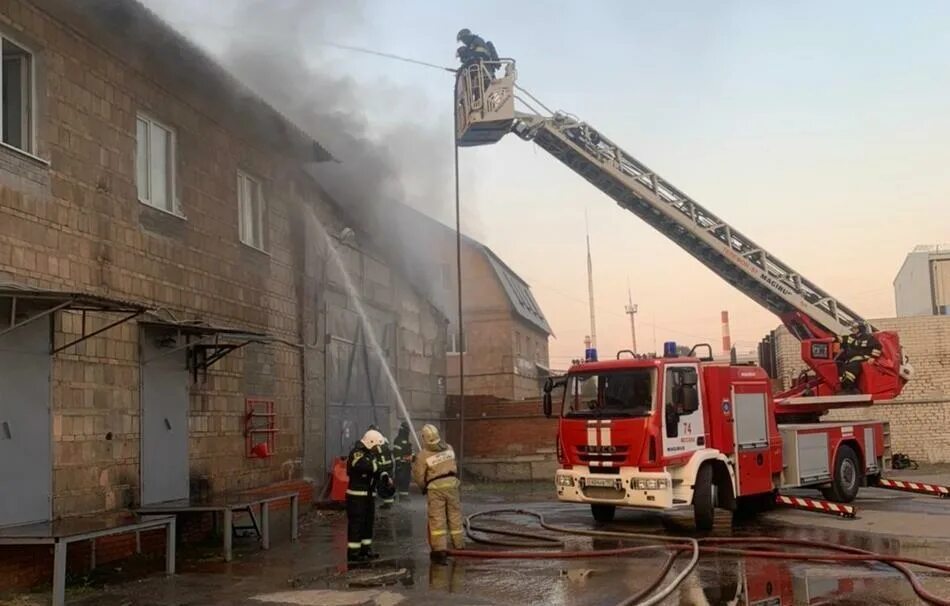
(690, 399)
(672, 421)
(546, 404)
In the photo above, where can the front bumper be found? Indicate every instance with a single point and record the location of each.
(630, 488)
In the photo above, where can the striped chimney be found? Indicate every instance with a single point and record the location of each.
(726, 339)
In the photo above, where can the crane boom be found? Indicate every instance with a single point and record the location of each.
(485, 112)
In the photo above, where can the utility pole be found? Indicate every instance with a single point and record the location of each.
(631, 310)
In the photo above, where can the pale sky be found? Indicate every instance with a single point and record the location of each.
(820, 130)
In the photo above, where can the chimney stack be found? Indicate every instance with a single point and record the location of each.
(726, 339)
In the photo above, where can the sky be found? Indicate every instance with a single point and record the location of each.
(820, 130)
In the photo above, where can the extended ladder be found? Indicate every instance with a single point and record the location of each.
(485, 112)
(724, 249)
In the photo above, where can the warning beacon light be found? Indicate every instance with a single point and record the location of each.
(669, 349)
(590, 354)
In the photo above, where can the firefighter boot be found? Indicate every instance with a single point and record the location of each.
(439, 557)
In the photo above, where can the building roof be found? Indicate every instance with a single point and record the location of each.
(517, 290)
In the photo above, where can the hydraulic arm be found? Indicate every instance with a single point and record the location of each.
(485, 111)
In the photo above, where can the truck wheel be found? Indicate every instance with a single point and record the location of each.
(704, 510)
(845, 478)
(603, 513)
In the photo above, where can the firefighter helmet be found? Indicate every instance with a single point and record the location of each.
(463, 34)
(430, 435)
(372, 439)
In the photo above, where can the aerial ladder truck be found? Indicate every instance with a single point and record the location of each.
(669, 432)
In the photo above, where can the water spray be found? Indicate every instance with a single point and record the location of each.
(364, 319)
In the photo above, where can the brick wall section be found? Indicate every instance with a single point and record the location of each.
(504, 439)
(920, 418)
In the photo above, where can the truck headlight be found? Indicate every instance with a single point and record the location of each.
(662, 484)
(565, 480)
(640, 484)
(651, 484)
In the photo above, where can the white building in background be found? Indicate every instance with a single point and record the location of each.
(922, 286)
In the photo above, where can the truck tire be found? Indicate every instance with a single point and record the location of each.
(603, 513)
(845, 476)
(704, 506)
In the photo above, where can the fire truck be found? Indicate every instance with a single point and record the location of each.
(670, 432)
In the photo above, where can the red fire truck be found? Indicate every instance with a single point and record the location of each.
(672, 432)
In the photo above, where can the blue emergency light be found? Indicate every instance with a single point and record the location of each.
(669, 349)
(590, 354)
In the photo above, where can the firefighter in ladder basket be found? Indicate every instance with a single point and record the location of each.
(436, 473)
(856, 348)
(476, 51)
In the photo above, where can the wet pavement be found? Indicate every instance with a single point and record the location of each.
(313, 570)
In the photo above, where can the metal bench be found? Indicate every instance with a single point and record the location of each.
(62, 532)
(227, 505)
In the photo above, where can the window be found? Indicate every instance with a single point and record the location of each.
(250, 211)
(17, 96)
(681, 389)
(610, 394)
(453, 342)
(155, 164)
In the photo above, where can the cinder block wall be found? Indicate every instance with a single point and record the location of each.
(920, 418)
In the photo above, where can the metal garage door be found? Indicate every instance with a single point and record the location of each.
(164, 418)
(358, 394)
(25, 446)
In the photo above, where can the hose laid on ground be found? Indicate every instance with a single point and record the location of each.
(679, 545)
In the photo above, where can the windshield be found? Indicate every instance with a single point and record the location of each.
(627, 393)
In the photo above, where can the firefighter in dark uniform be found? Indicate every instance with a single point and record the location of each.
(856, 348)
(402, 452)
(474, 51)
(386, 488)
(363, 471)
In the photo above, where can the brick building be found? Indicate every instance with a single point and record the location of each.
(163, 272)
(920, 418)
(506, 333)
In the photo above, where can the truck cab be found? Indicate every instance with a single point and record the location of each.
(662, 434)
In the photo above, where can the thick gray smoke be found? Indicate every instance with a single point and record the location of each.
(276, 50)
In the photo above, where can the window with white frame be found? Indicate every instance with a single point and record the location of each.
(155, 164)
(250, 211)
(453, 344)
(16, 100)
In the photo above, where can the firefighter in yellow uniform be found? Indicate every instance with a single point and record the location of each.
(436, 473)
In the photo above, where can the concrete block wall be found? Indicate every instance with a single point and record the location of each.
(920, 417)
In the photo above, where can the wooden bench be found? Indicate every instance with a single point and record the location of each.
(60, 533)
(227, 505)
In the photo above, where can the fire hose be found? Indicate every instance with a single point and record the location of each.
(756, 548)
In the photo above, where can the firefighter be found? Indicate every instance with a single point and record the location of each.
(436, 473)
(856, 348)
(386, 488)
(362, 468)
(479, 50)
(402, 452)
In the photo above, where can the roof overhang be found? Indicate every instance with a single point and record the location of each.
(21, 305)
(204, 343)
